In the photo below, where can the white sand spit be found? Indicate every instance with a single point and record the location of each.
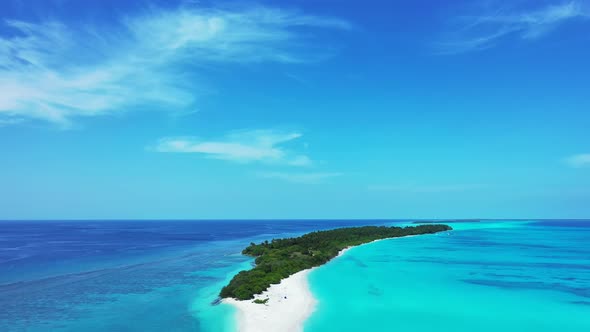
(289, 304)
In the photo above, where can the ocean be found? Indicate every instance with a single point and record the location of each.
(484, 276)
(165, 276)
(128, 275)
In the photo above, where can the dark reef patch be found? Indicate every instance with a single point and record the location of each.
(537, 285)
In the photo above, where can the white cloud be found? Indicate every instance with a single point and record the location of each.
(478, 32)
(245, 147)
(55, 71)
(579, 160)
(306, 178)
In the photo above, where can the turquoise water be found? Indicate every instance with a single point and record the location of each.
(128, 275)
(506, 276)
(165, 276)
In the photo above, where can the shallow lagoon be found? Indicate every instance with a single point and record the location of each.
(489, 276)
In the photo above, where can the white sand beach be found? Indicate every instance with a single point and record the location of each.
(289, 304)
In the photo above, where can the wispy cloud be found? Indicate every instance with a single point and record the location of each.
(424, 189)
(56, 71)
(482, 31)
(266, 146)
(305, 178)
(579, 160)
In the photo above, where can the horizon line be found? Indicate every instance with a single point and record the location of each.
(309, 219)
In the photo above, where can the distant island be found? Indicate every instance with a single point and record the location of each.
(281, 258)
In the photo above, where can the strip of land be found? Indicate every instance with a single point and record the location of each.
(287, 306)
(278, 259)
(282, 307)
(274, 296)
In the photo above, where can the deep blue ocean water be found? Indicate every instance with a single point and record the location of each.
(127, 275)
(165, 276)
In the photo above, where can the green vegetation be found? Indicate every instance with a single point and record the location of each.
(259, 301)
(279, 259)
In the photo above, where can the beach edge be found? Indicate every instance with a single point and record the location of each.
(290, 302)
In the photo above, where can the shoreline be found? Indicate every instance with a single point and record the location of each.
(289, 305)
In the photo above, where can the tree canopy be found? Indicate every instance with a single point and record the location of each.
(280, 258)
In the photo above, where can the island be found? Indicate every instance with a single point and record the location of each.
(281, 258)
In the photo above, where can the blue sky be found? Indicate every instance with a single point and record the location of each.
(294, 109)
